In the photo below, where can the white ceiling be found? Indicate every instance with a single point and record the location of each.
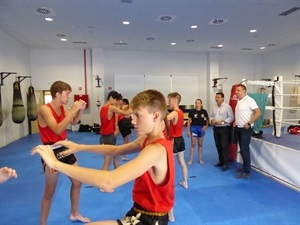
(98, 24)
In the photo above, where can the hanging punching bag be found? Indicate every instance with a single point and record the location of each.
(1, 114)
(233, 146)
(31, 104)
(18, 110)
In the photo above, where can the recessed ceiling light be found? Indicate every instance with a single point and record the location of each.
(253, 31)
(262, 48)
(220, 46)
(173, 43)
(63, 39)
(49, 19)
(194, 26)
(126, 22)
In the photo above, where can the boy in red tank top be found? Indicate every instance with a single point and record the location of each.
(152, 169)
(53, 118)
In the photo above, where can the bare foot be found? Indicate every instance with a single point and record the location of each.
(80, 218)
(171, 216)
(124, 158)
(183, 184)
(100, 189)
(190, 162)
(201, 161)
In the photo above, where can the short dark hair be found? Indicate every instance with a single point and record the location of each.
(125, 100)
(58, 87)
(242, 86)
(113, 94)
(220, 93)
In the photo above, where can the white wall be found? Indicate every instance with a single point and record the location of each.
(15, 57)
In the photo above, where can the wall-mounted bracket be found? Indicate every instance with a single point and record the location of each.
(3, 75)
(215, 80)
(21, 78)
(99, 81)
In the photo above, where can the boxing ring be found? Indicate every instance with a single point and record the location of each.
(276, 153)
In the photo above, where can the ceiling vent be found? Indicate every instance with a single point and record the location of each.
(190, 40)
(79, 42)
(218, 21)
(44, 11)
(61, 35)
(247, 49)
(289, 11)
(120, 43)
(150, 38)
(126, 1)
(166, 18)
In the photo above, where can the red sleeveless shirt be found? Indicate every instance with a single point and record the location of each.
(153, 197)
(47, 135)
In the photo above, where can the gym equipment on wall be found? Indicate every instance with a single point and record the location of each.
(31, 104)
(1, 114)
(18, 110)
(3, 75)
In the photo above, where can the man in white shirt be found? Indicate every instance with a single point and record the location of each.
(222, 116)
(246, 113)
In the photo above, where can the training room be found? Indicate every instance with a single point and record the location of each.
(197, 48)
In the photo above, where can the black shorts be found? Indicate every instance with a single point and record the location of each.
(137, 215)
(109, 139)
(69, 159)
(178, 145)
(125, 126)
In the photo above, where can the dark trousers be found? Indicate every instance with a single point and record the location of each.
(244, 138)
(221, 136)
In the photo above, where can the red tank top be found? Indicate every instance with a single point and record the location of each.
(177, 129)
(107, 126)
(47, 135)
(153, 197)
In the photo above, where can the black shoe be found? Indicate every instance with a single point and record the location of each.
(242, 176)
(224, 168)
(240, 170)
(218, 164)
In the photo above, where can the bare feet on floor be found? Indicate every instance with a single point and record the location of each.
(171, 217)
(200, 161)
(190, 162)
(80, 218)
(183, 184)
(124, 158)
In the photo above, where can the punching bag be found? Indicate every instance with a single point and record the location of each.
(1, 113)
(31, 104)
(18, 110)
(233, 146)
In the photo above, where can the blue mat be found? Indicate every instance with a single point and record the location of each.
(213, 197)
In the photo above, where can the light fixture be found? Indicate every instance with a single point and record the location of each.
(194, 26)
(220, 46)
(63, 39)
(126, 22)
(262, 48)
(253, 31)
(49, 19)
(173, 43)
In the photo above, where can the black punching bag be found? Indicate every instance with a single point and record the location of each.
(31, 104)
(1, 114)
(18, 110)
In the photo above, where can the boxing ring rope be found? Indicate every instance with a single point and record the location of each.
(277, 101)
